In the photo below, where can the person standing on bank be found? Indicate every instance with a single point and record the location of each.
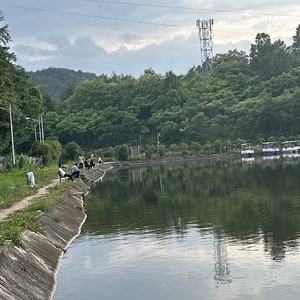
(63, 174)
(80, 161)
(75, 171)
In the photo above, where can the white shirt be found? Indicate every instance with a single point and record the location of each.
(61, 172)
(74, 169)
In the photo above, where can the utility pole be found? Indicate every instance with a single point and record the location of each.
(35, 133)
(11, 133)
(205, 35)
(40, 123)
(12, 137)
(42, 127)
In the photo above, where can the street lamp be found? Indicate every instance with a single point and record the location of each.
(41, 128)
(11, 133)
(35, 133)
(35, 120)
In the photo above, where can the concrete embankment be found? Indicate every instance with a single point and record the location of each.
(28, 271)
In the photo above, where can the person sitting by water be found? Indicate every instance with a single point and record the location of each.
(62, 173)
(75, 171)
(92, 164)
(86, 164)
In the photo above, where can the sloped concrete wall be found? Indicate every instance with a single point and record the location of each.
(28, 271)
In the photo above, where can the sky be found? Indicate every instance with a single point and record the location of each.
(129, 36)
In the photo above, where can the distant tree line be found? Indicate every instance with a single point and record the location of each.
(58, 83)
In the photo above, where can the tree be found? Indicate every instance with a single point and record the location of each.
(123, 152)
(16, 90)
(232, 63)
(56, 148)
(171, 81)
(296, 42)
(42, 150)
(269, 59)
(71, 151)
(5, 38)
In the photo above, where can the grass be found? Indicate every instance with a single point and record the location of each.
(14, 187)
(11, 229)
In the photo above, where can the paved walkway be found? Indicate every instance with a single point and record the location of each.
(4, 213)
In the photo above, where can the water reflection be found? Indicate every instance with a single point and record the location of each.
(137, 176)
(244, 201)
(291, 155)
(209, 230)
(248, 160)
(222, 272)
(271, 157)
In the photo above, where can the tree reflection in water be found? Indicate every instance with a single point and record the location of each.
(257, 200)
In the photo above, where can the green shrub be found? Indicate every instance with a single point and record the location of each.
(71, 151)
(56, 149)
(109, 154)
(122, 152)
(23, 161)
(150, 149)
(161, 151)
(44, 150)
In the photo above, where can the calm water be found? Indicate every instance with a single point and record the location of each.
(205, 230)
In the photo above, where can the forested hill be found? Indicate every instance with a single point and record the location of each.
(251, 97)
(55, 82)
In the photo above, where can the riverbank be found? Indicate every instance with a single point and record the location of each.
(28, 270)
(174, 160)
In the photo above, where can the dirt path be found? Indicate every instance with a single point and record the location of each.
(4, 213)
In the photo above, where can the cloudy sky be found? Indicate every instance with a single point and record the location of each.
(129, 36)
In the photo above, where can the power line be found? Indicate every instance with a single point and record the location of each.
(191, 8)
(119, 19)
(94, 16)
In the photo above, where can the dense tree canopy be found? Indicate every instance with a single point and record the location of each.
(243, 97)
(59, 82)
(231, 102)
(15, 89)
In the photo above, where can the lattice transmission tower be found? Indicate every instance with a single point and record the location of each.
(206, 45)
